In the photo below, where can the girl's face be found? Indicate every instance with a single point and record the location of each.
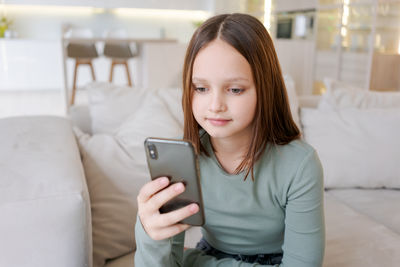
(224, 97)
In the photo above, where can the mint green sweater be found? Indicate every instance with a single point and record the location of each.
(281, 211)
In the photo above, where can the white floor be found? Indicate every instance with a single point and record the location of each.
(35, 102)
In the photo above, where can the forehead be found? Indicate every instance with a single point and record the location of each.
(220, 60)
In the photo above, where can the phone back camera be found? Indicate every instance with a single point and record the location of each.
(152, 151)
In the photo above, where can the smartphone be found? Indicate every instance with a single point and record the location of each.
(177, 160)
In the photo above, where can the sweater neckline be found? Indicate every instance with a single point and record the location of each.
(210, 150)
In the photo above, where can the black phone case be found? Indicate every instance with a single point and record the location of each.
(177, 160)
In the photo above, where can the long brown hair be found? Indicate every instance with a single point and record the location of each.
(273, 122)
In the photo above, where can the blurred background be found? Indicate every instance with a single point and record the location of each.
(353, 41)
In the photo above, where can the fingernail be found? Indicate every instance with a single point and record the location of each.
(194, 208)
(164, 181)
(178, 187)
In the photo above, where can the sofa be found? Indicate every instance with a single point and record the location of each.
(68, 186)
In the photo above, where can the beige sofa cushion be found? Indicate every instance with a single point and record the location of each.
(44, 202)
(381, 205)
(355, 240)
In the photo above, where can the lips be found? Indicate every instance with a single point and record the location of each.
(218, 122)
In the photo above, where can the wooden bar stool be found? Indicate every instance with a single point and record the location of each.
(119, 53)
(83, 55)
(123, 62)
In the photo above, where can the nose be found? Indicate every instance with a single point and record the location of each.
(217, 102)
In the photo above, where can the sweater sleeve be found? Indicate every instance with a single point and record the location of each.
(304, 238)
(152, 253)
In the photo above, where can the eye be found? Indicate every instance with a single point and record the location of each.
(236, 91)
(200, 89)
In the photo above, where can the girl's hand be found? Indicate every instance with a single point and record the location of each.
(151, 197)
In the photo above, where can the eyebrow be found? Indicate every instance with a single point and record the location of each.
(236, 79)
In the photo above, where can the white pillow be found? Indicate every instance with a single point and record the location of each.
(357, 148)
(114, 180)
(293, 99)
(111, 104)
(342, 95)
(154, 119)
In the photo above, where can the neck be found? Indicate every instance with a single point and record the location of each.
(233, 148)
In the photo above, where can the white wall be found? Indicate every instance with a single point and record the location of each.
(41, 24)
(49, 27)
(152, 4)
(36, 22)
(228, 6)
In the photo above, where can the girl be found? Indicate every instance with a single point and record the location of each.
(262, 186)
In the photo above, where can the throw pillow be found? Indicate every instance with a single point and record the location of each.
(153, 119)
(114, 180)
(111, 104)
(357, 148)
(342, 95)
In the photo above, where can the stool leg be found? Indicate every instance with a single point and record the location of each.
(92, 69)
(112, 71)
(128, 76)
(74, 83)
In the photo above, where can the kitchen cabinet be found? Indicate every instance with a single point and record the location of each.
(27, 64)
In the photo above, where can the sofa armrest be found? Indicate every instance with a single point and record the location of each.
(44, 200)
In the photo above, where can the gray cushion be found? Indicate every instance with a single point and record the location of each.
(119, 51)
(353, 239)
(381, 205)
(86, 51)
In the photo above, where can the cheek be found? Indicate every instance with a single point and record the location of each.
(250, 106)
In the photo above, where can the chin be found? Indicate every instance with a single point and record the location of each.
(217, 133)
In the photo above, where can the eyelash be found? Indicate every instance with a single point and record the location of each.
(200, 89)
(235, 91)
(240, 91)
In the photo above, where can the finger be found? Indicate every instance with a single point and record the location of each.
(165, 195)
(170, 231)
(178, 215)
(150, 188)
